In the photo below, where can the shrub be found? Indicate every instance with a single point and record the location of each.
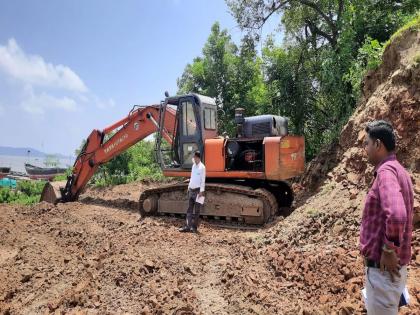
(26, 192)
(369, 58)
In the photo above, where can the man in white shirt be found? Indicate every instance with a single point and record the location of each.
(195, 189)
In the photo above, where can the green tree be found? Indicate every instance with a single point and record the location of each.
(288, 84)
(230, 74)
(315, 75)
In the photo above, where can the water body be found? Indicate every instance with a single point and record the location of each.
(17, 163)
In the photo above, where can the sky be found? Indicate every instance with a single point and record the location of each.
(68, 67)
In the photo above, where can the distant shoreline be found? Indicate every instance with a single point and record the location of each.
(17, 163)
(23, 152)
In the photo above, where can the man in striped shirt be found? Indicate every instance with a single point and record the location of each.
(387, 223)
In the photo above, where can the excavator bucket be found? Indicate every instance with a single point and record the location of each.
(51, 192)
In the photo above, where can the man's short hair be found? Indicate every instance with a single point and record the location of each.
(197, 154)
(383, 131)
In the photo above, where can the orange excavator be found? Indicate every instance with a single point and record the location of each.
(245, 175)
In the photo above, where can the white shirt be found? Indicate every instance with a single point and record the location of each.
(198, 177)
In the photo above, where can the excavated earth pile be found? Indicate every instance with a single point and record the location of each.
(315, 249)
(98, 256)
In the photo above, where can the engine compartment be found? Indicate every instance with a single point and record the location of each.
(245, 154)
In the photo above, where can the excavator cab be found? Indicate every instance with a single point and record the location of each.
(195, 121)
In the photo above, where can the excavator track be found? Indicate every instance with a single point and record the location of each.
(235, 203)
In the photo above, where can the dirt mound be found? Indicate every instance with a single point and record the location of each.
(129, 192)
(315, 248)
(392, 93)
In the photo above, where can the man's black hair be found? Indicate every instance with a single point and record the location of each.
(197, 154)
(383, 131)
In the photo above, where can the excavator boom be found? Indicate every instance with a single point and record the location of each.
(139, 123)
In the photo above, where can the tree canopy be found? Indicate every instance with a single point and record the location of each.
(313, 77)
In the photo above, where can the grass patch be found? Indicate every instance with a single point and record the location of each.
(63, 177)
(412, 25)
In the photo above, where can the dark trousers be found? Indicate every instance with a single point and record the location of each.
(194, 208)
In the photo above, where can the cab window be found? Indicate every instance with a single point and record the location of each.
(209, 118)
(189, 125)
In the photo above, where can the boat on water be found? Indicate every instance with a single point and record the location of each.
(36, 172)
(4, 171)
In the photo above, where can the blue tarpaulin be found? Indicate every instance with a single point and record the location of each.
(7, 182)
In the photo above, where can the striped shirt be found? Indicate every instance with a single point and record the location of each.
(388, 212)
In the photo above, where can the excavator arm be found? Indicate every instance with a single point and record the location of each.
(101, 146)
